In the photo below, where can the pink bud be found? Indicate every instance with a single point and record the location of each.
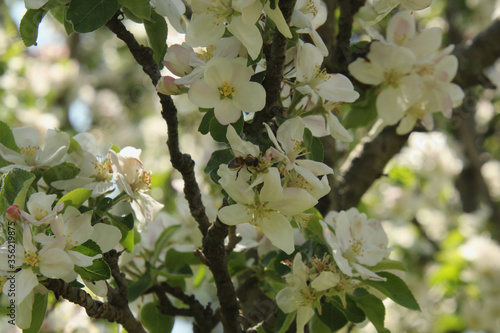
(167, 86)
(13, 213)
(177, 59)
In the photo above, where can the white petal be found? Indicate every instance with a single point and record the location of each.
(25, 136)
(277, 228)
(401, 28)
(106, 236)
(337, 88)
(286, 300)
(277, 16)
(325, 280)
(204, 30)
(226, 112)
(203, 95)
(406, 124)
(235, 214)
(304, 314)
(248, 35)
(337, 131)
(294, 201)
(391, 105)
(55, 263)
(272, 189)
(239, 145)
(251, 97)
(427, 42)
(289, 133)
(366, 71)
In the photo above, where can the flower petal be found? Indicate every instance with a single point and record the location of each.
(277, 228)
(235, 214)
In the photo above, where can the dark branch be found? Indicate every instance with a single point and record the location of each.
(341, 57)
(205, 319)
(367, 161)
(274, 74)
(182, 162)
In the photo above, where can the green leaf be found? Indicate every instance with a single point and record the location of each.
(128, 242)
(314, 146)
(76, 197)
(317, 326)
(7, 137)
(331, 316)
(139, 286)
(38, 313)
(387, 264)
(396, 289)
(99, 270)
(283, 321)
(177, 263)
(155, 321)
(218, 157)
(126, 221)
(28, 29)
(63, 171)
(373, 308)
(362, 112)
(88, 248)
(204, 127)
(164, 239)
(350, 311)
(15, 186)
(157, 31)
(218, 131)
(139, 8)
(90, 15)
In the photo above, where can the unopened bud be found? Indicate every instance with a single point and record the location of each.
(167, 86)
(13, 213)
(177, 60)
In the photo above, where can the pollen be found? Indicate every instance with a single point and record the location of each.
(227, 90)
(31, 258)
(29, 153)
(207, 54)
(101, 169)
(40, 213)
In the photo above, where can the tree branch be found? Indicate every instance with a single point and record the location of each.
(205, 319)
(182, 162)
(367, 161)
(274, 74)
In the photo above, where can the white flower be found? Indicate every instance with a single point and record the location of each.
(308, 15)
(30, 154)
(95, 172)
(357, 242)
(302, 294)
(289, 147)
(173, 10)
(390, 65)
(132, 179)
(270, 210)
(227, 88)
(40, 209)
(209, 17)
(315, 82)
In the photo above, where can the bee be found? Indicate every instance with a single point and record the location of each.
(240, 162)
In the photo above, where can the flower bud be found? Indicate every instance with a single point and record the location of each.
(13, 213)
(177, 60)
(167, 86)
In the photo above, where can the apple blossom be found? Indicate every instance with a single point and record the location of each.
(270, 210)
(30, 154)
(173, 10)
(357, 242)
(227, 88)
(132, 179)
(388, 5)
(304, 290)
(209, 17)
(315, 82)
(40, 209)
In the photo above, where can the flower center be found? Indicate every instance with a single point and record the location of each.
(101, 170)
(392, 77)
(40, 213)
(310, 8)
(305, 297)
(219, 10)
(31, 258)
(227, 90)
(29, 154)
(207, 54)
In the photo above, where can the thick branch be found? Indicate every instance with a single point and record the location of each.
(367, 161)
(475, 56)
(182, 162)
(215, 253)
(274, 74)
(341, 57)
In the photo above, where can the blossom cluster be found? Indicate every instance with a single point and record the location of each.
(276, 187)
(357, 245)
(414, 79)
(56, 204)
